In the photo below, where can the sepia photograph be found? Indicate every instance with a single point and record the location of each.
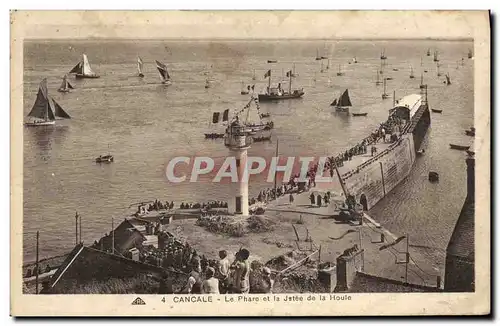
(233, 168)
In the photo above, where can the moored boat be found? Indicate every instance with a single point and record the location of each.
(360, 114)
(105, 159)
(83, 69)
(384, 94)
(436, 111)
(459, 147)
(45, 110)
(278, 93)
(471, 131)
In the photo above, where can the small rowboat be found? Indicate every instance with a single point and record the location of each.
(459, 147)
(363, 114)
(265, 115)
(272, 61)
(471, 132)
(214, 136)
(436, 111)
(105, 159)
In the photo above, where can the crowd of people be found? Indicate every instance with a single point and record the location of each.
(219, 277)
(208, 205)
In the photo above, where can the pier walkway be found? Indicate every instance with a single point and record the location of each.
(388, 263)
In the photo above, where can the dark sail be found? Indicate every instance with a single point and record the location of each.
(58, 110)
(344, 99)
(163, 70)
(225, 115)
(41, 107)
(77, 69)
(334, 102)
(69, 85)
(215, 117)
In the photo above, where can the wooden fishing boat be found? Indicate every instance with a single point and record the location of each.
(340, 73)
(384, 94)
(139, 67)
(378, 82)
(214, 135)
(45, 110)
(83, 69)
(448, 80)
(343, 103)
(261, 139)
(470, 55)
(436, 111)
(411, 73)
(471, 132)
(265, 115)
(105, 159)
(382, 55)
(459, 147)
(65, 86)
(164, 75)
(422, 85)
(436, 58)
(360, 114)
(428, 52)
(272, 61)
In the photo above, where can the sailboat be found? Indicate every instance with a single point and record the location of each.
(343, 103)
(214, 123)
(448, 81)
(253, 77)
(139, 67)
(83, 69)
(328, 64)
(438, 72)
(385, 95)
(354, 60)
(470, 55)
(105, 158)
(428, 52)
(436, 59)
(378, 78)
(382, 55)
(340, 73)
(294, 74)
(277, 93)
(46, 110)
(422, 85)
(317, 55)
(164, 75)
(411, 73)
(381, 71)
(207, 83)
(65, 86)
(322, 70)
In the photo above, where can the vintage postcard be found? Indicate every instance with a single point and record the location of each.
(250, 163)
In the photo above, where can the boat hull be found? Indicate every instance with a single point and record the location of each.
(437, 111)
(360, 114)
(459, 147)
(268, 97)
(60, 90)
(39, 124)
(342, 108)
(81, 76)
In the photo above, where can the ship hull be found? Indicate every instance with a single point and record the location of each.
(266, 97)
(81, 76)
(374, 180)
(39, 124)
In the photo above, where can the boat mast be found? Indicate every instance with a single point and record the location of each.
(269, 82)
(394, 98)
(290, 84)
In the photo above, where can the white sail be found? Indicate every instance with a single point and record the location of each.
(86, 70)
(139, 65)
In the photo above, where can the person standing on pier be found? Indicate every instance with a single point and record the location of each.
(312, 197)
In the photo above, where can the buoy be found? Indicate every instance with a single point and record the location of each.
(433, 176)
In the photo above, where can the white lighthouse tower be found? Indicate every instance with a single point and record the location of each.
(238, 141)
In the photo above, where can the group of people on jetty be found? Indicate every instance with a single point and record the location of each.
(158, 205)
(215, 276)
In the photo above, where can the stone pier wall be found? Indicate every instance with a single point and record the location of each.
(377, 179)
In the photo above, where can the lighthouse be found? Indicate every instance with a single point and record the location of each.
(237, 140)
